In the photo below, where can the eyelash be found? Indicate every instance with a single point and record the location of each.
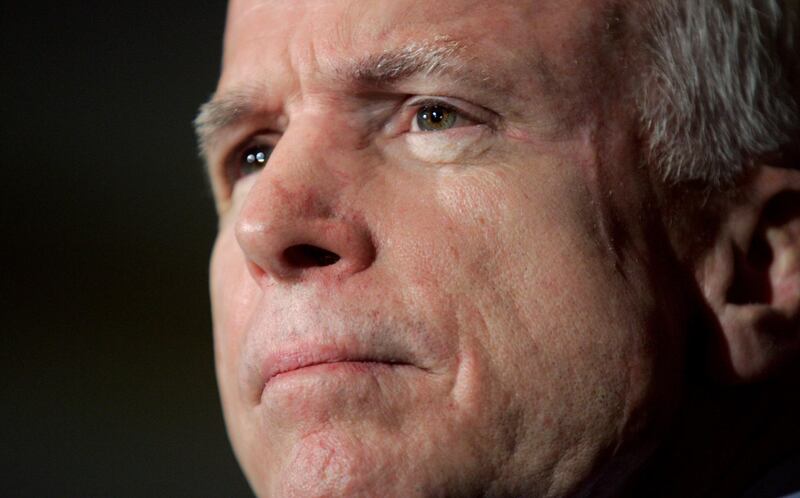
(236, 160)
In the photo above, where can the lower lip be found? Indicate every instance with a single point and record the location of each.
(346, 389)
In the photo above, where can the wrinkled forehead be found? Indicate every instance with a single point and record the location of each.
(348, 23)
(562, 36)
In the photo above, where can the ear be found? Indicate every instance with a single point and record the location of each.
(751, 279)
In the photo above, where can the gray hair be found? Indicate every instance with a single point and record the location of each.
(718, 93)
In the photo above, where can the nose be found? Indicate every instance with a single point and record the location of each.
(299, 220)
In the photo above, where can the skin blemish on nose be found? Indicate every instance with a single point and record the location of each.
(279, 188)
(343, 175)
(305, 200)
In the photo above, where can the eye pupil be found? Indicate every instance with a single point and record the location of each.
(435, 117)
(256, 157)
(251, 161)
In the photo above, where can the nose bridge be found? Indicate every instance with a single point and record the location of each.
(292, 224)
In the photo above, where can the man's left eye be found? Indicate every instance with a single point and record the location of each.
(440, 115)
(435, 118)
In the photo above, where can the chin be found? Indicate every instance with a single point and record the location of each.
(334, 463)
(368, 458)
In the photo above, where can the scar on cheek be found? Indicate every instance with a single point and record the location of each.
(434, 147)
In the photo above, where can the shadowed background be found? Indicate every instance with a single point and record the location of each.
(108, 386)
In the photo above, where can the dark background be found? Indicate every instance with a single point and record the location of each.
(108, 386)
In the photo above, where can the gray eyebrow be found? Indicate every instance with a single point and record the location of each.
(222, 112)
(411, 60)
(377, 70)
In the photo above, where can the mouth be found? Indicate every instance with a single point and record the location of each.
(322, 361)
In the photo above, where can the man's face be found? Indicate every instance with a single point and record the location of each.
(449, 277)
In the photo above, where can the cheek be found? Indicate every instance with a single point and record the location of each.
(555, 332)
(451, 259)
(233, 297)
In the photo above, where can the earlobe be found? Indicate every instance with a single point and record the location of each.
(751, 280)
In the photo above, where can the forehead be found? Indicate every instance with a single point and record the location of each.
(313, 34)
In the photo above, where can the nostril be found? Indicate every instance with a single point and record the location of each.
(306, 256)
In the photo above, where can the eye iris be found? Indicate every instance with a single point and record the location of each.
(435, 117)
(256, 158)
(253, 160)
